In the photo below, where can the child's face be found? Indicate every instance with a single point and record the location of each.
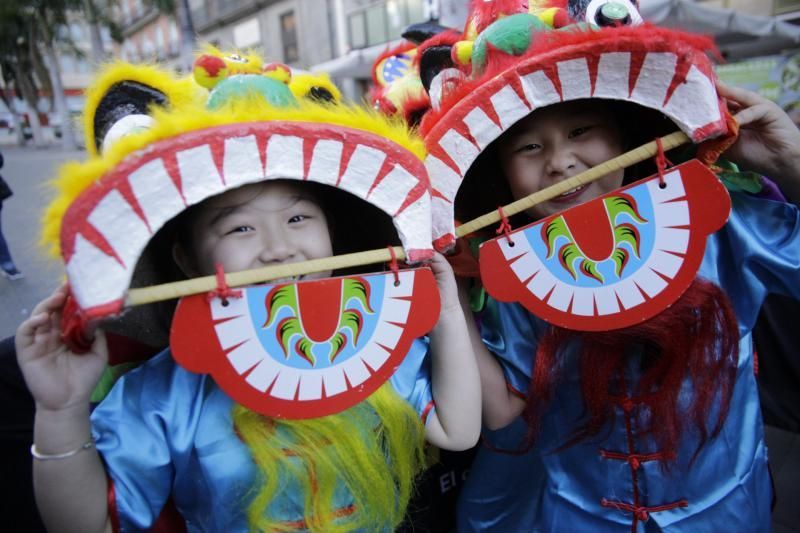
(268, 223)
(555, 143)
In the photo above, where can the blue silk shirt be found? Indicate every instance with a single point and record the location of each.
(164, 431)
(590, 486)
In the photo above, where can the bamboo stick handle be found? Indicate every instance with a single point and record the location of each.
(625, 160)
(178, 289)
(168, 291)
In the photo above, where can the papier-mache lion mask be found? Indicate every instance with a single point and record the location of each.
(621, 258)
(159, 145)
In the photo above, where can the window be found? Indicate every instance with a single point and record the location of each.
(785, 6)
(377, 30)
(416, 10)
(76, 32)
(173, 38)
(67, 63)
(395, 16)
(247, 34)
(358, 31)
(384, 21)
(148, 50)
(126, 12)
(291, 54)
(82, 66)
(160, 50)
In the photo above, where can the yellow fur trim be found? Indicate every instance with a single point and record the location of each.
(302, 83)
(373, 451)
(235, 63)
(178, 92)
(278, 72)
(74, 178)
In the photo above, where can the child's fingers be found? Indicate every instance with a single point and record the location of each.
(739, 95)
(753, 115)
(28, 329)
(51, 303)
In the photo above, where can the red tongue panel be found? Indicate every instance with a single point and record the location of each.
(591, 229)
(319, 304)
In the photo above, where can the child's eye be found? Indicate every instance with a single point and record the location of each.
(577, 132)
(531, 147)
(239, 229)
(298, 218)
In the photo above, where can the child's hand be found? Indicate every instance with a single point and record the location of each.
(57, 378)
(768, 143)
(446, 282)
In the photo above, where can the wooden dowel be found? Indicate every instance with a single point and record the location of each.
(178, 289)
(622, 161)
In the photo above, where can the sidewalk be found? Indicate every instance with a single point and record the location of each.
(27, 171)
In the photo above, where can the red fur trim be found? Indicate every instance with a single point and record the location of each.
(695, 339)
(484, 13)
(709, 151)
(644, 37)
(377, 99)
(415, 107)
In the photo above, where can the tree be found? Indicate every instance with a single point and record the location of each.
(97, 14)
(22, 67)
(51, 15)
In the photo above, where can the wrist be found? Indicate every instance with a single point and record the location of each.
(61, 430)
(49, 415)
(452, 313)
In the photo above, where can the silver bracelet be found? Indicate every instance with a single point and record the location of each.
(55, 456)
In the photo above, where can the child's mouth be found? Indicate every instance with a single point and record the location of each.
(569, 195)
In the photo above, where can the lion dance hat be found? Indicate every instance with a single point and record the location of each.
(159, 145)
(514, 57)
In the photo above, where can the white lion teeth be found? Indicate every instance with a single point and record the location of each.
(265, 374)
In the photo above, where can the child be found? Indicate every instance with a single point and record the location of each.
(654, 426)
(555, 405)
(166, 432)
(7, 266)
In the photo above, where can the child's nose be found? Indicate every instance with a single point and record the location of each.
(561, 162)
(275, 248)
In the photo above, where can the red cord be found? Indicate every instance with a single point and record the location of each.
(505, 226)
(393, 266)
(661, 163)
(223, 291)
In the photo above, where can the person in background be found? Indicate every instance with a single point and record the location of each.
(7, 266)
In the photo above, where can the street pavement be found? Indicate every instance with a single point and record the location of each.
(28, 172)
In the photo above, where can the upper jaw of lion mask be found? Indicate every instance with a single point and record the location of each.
(520, 56)
(179, 152)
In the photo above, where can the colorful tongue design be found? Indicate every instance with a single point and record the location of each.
(614, 261)
(306, 349)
